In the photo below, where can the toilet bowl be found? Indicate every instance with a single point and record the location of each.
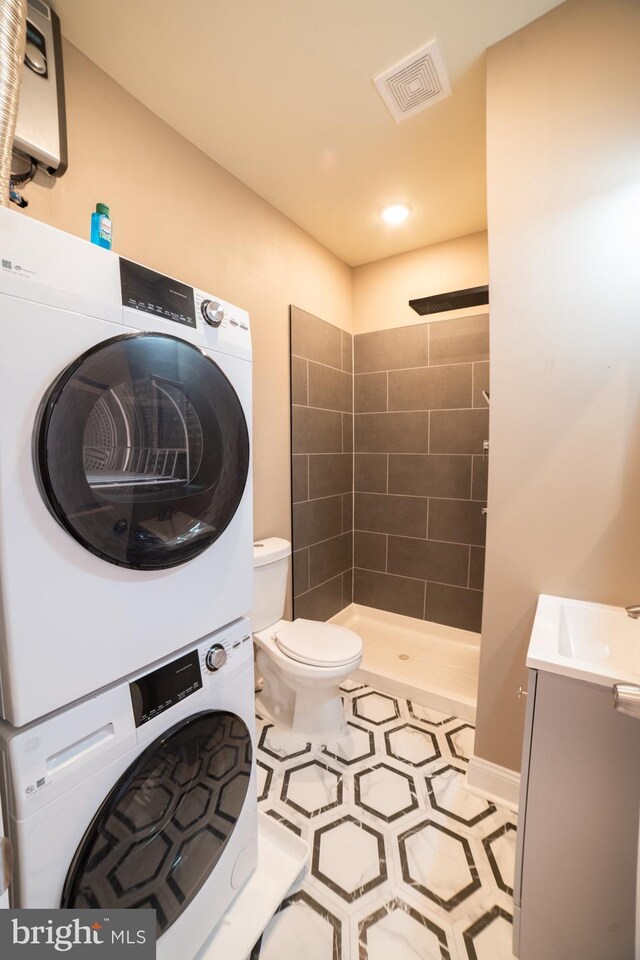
(302, 663)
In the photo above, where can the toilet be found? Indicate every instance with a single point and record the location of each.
(302, 663)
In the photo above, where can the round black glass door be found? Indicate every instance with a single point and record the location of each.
(162, 829)
(143, 450)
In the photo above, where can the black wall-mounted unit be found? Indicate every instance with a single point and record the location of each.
(456, 300)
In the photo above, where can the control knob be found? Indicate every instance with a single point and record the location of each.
(216, 657)
(212, 312)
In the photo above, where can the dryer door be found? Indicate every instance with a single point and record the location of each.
(142, 450)
(162, 829)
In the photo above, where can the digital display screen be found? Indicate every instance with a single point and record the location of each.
(36, 38)
(151, 292)
(158, 691)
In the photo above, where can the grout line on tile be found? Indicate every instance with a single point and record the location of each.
(421, 366)
(473, 384)
(424, 602)
(416, 496)
(329, 496)
(320, 363)
(469, 568)
(404, 576)
(303, 406)
(335, 576)
(406, 536)
(316, 543)
(371, 413)
(415, 453)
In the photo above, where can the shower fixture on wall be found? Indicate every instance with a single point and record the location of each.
(455, 300)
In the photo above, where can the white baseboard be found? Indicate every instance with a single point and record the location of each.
(495, 783)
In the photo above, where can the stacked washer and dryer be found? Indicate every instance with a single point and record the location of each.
(126, 661)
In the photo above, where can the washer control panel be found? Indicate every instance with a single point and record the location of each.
(155, 692)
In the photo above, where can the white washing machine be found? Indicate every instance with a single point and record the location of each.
(125, 484)
(143, 795)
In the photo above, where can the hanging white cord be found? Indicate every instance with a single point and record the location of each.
(13, 28)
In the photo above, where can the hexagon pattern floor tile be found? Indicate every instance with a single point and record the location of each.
(405, 863)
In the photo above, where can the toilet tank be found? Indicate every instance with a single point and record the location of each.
(270, 569)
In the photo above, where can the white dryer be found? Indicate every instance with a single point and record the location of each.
(143, 795)
(125, 476)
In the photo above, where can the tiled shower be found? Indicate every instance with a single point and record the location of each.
(417, 477)
(322, 466)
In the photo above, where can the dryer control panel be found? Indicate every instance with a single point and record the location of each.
(153, 301)
(151, 292)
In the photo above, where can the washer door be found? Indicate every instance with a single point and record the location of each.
(159, 834)
(142, 451)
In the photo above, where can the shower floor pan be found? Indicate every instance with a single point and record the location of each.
(432, 664)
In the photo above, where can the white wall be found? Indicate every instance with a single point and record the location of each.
(382, 289)
(563, 144)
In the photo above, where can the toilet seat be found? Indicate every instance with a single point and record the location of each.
(318, 644)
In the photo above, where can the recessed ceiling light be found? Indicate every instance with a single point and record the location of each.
(395, 213)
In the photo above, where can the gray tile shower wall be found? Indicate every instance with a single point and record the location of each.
(322, 466)
(420, 479)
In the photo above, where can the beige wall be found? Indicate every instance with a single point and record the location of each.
(177, 211)
(563, 111)
(382, 290)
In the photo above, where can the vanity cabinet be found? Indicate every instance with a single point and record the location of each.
(575, 883)
(4, 893)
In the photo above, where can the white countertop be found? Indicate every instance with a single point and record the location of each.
(586, 641)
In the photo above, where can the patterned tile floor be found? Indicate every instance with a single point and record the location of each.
(405, 863)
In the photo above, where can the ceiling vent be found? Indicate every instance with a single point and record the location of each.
(414, 84)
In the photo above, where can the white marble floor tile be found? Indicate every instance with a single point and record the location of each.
(400, 932)
(349, 857)
(412, 745)
(460, 740)
(375, 707)
(406, 865)
(449, 795)
(427, 715)
(301, 930)
(490, 937)
(438, 863)
(385, 792)
(281, 744)
(312, 788)
(501, 852)
(350, 685)
(359, 744)
(264, 776)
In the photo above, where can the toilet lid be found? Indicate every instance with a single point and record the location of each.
(318, 644)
